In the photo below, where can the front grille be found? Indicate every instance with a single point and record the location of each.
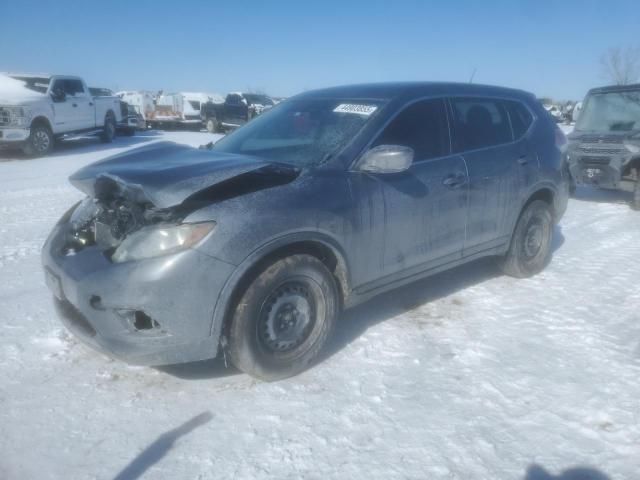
(5, 117)
(602, 138)
(600, 151)
(585, 161)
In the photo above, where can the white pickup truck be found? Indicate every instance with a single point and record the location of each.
(36, 110)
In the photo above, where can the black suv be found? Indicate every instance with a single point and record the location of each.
(604, 148)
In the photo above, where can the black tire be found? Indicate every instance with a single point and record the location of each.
(283, 319)
(530, 248)
(635, 200)
(40, 141)
(109, 130)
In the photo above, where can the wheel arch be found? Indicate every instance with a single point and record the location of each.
(320, 246)
(111, 113)
(41, 120)
(547, 193)
(633, 164)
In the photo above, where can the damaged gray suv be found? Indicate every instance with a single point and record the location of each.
(254, 245)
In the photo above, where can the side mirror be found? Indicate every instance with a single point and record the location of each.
(58, 95)
(386, 159)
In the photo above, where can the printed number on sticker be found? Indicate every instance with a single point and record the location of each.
(355, 108)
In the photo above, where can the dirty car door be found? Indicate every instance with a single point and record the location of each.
(420, 213)
(482, 135)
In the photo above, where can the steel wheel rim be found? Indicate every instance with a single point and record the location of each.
(534, 238)
(287, 318)
(41, 141)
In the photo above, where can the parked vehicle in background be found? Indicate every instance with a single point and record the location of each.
(143, 101)
(131, 120)
(236, 110)
(554, 111)
(604, 147)
(333, 197)
(128, 123)
(180, 109)
(575, 114)
(37, 110)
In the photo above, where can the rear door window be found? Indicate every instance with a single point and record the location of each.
(480, 123)
(520, 117)
(423, 127)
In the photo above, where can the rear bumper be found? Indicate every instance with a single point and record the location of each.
(156, 311)
(14, 135)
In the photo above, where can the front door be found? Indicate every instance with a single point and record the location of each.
(417, 216)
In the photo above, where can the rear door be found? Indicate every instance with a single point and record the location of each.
(482, 135)
(421, 213)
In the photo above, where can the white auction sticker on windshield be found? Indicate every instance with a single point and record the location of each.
(355, 108)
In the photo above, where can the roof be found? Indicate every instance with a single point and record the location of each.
(411, 89)
(615, 88)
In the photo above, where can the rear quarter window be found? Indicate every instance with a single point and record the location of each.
(480, 123)
(520, 116)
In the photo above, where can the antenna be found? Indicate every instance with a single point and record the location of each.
(473, 74)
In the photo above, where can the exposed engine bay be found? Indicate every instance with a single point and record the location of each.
(105, 220)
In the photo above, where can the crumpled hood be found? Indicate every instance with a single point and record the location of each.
(165, 173)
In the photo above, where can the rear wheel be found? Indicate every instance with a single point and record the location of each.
(109, 130)
(40, 141)
(530, 247)
(284, 318)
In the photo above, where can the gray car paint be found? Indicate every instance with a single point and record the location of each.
(383, 230)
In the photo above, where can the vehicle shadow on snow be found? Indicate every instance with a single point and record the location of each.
(160, 447)
(356, 321)
(83, 145)
(592, 194)
(536, 472)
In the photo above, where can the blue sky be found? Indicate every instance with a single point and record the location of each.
(551, 48)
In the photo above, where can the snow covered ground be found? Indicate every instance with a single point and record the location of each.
(468, 375)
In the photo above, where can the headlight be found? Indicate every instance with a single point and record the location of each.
(633, 148)
(161, 240)
(18, 116)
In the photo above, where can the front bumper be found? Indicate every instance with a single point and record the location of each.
(103, 303)
(14, 134)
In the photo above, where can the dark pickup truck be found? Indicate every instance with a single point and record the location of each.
(604, 148)
(237, 109)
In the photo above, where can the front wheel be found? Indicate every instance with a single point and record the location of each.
(109, 130)
(212, 125)
(283, 319)
(530, 247)
(40, 141)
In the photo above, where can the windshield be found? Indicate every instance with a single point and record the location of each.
(37, 84)
(303, 133)
(611, 112)
(258, 99)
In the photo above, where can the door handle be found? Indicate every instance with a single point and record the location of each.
(91, 104)
(454, 181)
(74, 105)
(522, 160)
